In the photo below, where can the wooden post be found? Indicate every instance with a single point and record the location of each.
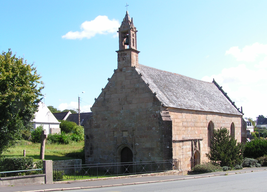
(43, 139)
(24, 152)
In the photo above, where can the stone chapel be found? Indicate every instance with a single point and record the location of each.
(146, 114)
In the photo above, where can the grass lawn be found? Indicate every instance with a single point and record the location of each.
(52, 151)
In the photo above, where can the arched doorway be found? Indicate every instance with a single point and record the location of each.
(126, 155)
(126, 160)
(196, 158)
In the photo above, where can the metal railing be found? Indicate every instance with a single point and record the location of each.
(90, 171)
(20, 172)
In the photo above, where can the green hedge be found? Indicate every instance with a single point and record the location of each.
(256, 148)
(263, 160)
(20, 163)
(16, 163)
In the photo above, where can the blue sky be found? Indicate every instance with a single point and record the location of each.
(72, 44)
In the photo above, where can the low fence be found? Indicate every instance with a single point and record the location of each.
(20, 177)
(29, 176)
(20, 172)
(89, 171)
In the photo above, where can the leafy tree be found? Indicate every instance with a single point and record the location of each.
(53, 109)
(260, 119)
(71, 110)
(254, 134)
(20, 93)
(224, 149)
(36, 134)
(67, 126)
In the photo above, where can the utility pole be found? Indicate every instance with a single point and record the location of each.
(79, 111)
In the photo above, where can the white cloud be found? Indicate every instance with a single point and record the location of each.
(86, 108)
(246, 86)
(74, 106)
(71, 105)
(248, 53)
(100, 25)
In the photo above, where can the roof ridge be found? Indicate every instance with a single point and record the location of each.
(175, 73)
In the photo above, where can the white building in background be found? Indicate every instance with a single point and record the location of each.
(45, 118)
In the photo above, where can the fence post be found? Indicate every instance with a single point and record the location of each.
(48, 171)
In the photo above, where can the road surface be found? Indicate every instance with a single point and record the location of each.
(252, 182)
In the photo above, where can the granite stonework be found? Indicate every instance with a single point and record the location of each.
(190, 134)
(145, 114)
(127, 114)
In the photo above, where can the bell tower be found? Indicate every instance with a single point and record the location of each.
(127, 53)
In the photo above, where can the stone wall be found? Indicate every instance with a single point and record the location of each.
(69, 166)
(127, 114)
(192, 126)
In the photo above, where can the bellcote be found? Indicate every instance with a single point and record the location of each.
(127, 33)
(127, 54)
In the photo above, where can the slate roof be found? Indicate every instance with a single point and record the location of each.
(83, 117)
(60, 116)
(178, 91)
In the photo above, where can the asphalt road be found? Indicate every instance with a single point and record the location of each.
(252, 182)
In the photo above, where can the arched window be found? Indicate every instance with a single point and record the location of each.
(232, 130)
(210, 132)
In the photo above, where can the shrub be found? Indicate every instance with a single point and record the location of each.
(206, 168)
(253, 134)
(226, 168)
(58, 175)
(62, 138)
(256, 148)
(55, 138)
(225, 149)
(263, 160)
(36, 134)
(15, 163)
(258, 165)
(65, 138)
(238, 167)
(38, 164)
(78, 131)
(76, 138)
(249, 162)
(67, 126)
